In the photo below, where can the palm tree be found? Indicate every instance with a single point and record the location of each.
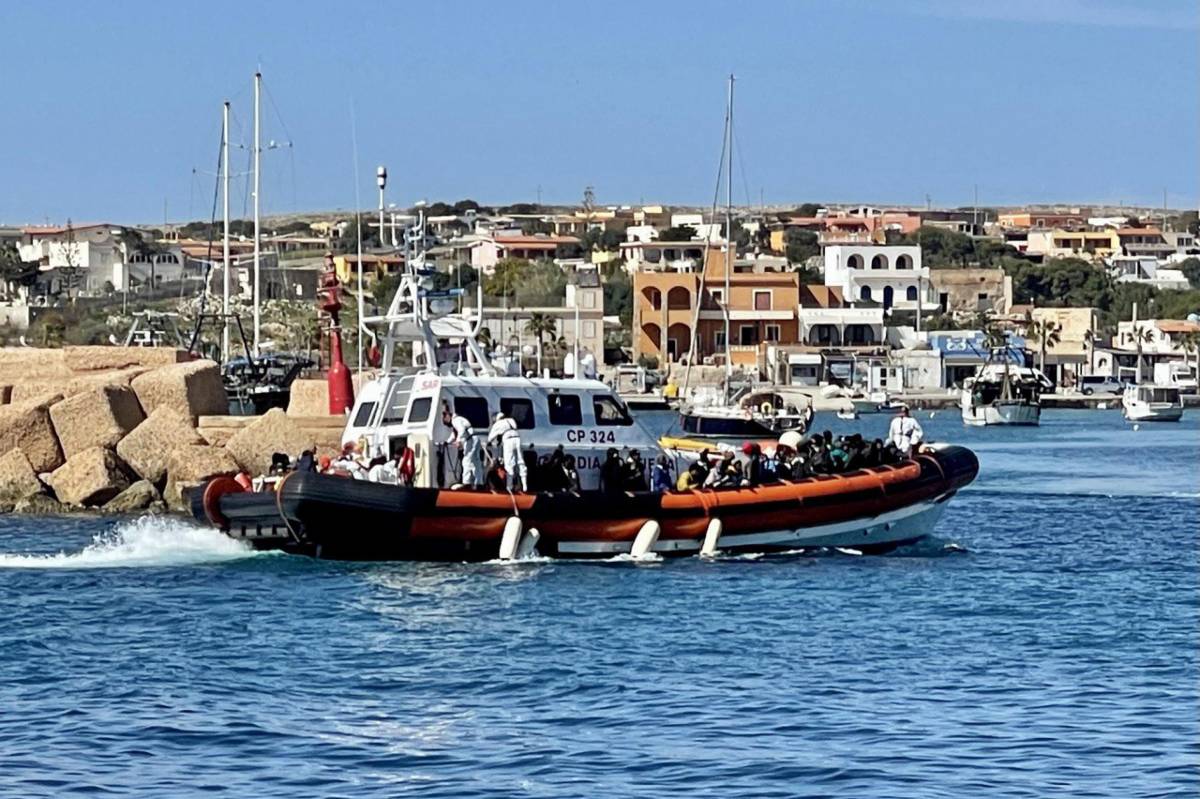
(1046, 334)
(1190, 342)
(484, 337)
(540, 324)
(1140, 335)
(1089, 347)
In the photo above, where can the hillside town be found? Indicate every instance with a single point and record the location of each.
(897, 299)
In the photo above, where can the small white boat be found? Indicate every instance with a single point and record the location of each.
(1152, 403)
(749, 413)
(848, 414)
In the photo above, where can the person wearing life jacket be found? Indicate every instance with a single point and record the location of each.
(905, 432)
(404, 463)
(504, 430)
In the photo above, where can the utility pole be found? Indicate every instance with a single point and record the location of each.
(257, 188)
(225, 237)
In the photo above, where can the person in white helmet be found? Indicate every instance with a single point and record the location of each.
(905, 432)
(504, 430)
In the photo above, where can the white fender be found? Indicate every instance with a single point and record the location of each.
(712, 539)
(646, 538)
(510, 541)
(529, 541)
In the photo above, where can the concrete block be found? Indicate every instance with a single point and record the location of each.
(272, 432)
(148, 448)
(193, 389)
(17, 477)
(139, 496)
(94, 358)
(99, 417)
(192, 464)
(309, 398)
(26, 426)
(91, 477)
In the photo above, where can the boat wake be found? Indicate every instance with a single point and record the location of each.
(146, 541)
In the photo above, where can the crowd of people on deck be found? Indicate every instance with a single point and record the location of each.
(503, 465)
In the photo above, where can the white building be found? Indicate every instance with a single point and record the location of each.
(97, 258)
(1146, 269)
(892, 276)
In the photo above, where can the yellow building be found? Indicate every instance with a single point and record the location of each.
(374, 265)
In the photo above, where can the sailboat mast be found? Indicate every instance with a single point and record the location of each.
(728, 232)
(257, 187)
(225, 237)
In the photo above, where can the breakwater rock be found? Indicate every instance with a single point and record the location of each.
(128, 429)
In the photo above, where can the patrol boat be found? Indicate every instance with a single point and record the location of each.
(326, 515)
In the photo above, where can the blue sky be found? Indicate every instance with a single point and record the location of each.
(113, 106)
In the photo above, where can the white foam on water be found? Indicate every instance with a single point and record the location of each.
(145, 541)
(534, 559)
(625, 557)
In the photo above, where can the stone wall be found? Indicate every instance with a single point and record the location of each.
(126, 428)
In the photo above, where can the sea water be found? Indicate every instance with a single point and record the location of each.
(1043, 643)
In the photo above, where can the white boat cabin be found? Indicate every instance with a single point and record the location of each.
(585, 417)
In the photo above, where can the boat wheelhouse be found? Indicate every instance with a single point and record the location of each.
(585, 417)
(1152, 403)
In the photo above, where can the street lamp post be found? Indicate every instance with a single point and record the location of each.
(381, 180)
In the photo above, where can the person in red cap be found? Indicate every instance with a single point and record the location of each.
(754, 462)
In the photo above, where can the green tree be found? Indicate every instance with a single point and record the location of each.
(618, 294)
(348, 241)
(1047, 334)
(678, 233)
(942, 248)
(807, 209)
(1190, 343)
(15, 273)
(540, 325)
(1191, 270)
(462, 276)
(507, 275)
(800, 245)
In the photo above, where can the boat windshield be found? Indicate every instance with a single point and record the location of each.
(1158, 394)
(610, 412)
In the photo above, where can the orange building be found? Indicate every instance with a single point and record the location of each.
(762, 310)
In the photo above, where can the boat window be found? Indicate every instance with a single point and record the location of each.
(364, 414)
(474, 409)
(521, 410)
(610, 412)
(397, 403)
(419, 411)
(565, 409)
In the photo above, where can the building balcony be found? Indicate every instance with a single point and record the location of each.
(748, 315)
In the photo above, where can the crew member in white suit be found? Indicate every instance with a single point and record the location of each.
(470, 450)
(504, 429)
(905, 432)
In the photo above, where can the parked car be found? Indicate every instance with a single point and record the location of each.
(1100, 384)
